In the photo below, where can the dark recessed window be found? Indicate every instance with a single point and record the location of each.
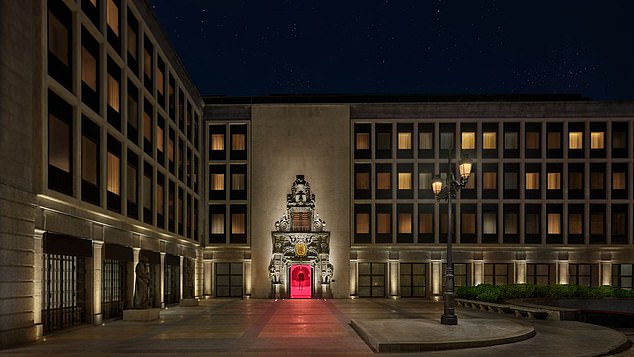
(60, 54)
(60, 145)
(90, 161)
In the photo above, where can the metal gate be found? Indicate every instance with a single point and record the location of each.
(114, 288)
(64, 292)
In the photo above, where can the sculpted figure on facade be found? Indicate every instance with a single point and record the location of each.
(142, 286)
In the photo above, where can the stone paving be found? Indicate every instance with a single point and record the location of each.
(221, 327)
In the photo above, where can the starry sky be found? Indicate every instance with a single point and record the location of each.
(263, 47)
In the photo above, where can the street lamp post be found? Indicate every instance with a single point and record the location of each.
(447, 190)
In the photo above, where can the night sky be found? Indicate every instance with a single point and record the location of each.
(263, 47)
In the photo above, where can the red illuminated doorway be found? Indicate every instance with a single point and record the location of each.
(301, 281)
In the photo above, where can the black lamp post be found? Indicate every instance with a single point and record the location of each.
(446, 191)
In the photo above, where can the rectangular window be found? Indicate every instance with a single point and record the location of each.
(59, 143)
(489, 180)
(575, 223)
(132, 42)
(619, 140)
(363, 141)
(596, 223)
(217, 223)
(510, 140)
(58, 39)
(88, 69)
(362, 181)
(238, 223)
(532, 223)
(446, 140)
(575, 140)
(112, 17)
(425, 223)
(489, 140)
(147, 127)
(160, 200)
(532, 140)
(510, 223)
(160, 139)
(424, 181)
(383, 180)
(238, 182)
(618, 180)
(217, 182)
(405, 223)
(217, 142)
(510, 180)
(160, 77)
(496, 274)
(133, 115)
(404, 141)
(170, 147)
(468, 223)
(362, 223)
(404, 181)
(597, 140)
(383, 223)
(114, 174)
(554, 223)
(147, 63)
(532, 180)
(89, 160)
(132, 183)
(554, 140)
(575, 180)
(113, 93)
(619, 223)
(596, 180)
(238, 142)
(425, 141)
(383, 141)
(554, 180)
(489, 224)
(468, 141)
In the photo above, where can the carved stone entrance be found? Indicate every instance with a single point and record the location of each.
(300, 266)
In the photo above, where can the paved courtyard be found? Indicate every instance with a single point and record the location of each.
(288, 328)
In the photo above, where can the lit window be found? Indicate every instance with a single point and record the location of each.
(383, 223)
(170, 149)
(217, 142)
(112, 17)
(132, 44)
(405, 223)
(363, 141)
(618, 180)
(425, 223)
(383, 141)
(532, 140)
(114, 174)
(404, 141)
(88, 162)
(554, 223)
(489, 140)
(88, 69)
(425, 141)
(238, 223)
(147, 126)
(159, 80)
(238, 142)
(489, 180)
(532, 180)
(468, 223)
(58, 143)
(596, 181)
(404, 181)
(596, 223)
(575, 140)
(510, 140)
(58, 38)
(510, 223)
(383, 180)
(217, 223)
(424, 181)
(510, 180)
(147, 63)
(489, 224)
(113, 93)
(468, 140)
(554, 140)
(362, 181)
(238, 182)
(575, 181)
(575, 223)
(554, 181)
(362, 223)
(217, 182)
(597, 140)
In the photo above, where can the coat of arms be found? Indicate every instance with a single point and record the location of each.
(300, 249)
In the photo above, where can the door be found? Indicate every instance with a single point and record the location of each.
(301, 281)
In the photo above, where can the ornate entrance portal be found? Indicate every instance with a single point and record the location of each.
(300, 266)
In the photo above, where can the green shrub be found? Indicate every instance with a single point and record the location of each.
(467, 292)
(492, 293)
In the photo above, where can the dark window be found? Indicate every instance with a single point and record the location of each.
(538, 274)
(114, 94)
(148, 137)
(383, 141)
(90, 71)
(113, 20)
(133, 43)
(148, 64)
(148, 194)
(60, 55)
(64, 303)
(622, 276)
(171, 206)
(619, 224)
(133, 185)
(362, 224)
(413, 279)
(496, 273)
(90, 161)
(580, 274)
(371, 280)
(160, 200)
(229, 279)
(60, 145)
(91, 9)
(133, 113)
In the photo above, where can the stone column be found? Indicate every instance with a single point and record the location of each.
(478, 272)
(132, 277)
(38, 275)
(394, 278)
(247, 278)
(162, 289)
(97, 250)
(520, 271)
(436, 277)
(562, 272)
(207, 271)
(180, 276)
(353, 277)
(606, 273)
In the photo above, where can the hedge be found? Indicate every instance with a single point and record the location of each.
(500, 293)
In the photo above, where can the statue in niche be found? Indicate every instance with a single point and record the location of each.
(188, 279)
(142, 286)
(326, 275)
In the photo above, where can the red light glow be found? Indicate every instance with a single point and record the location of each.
(301, 282)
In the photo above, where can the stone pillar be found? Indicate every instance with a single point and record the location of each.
(38, 275)
(606, 273)
(394, 278)
(247, 278)
(132, 277)
(520, 271)
(562, 272)
(478, 272)
(180, 277)
(436, 278)
(207, 272)
(97, 250)
(354, 264)
(162, 289)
